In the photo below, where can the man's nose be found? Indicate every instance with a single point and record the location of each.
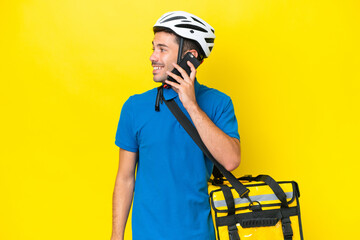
(153, 57)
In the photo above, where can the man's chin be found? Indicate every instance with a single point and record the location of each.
(159, 80)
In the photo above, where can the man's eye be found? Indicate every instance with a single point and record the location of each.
(162, 50)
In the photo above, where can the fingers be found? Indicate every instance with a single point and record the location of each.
(181, 71)
(193, 70)
(184, 74)
(174, 76)
(173, 85)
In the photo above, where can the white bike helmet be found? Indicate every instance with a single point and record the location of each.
(189, 26)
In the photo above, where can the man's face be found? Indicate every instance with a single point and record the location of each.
(165, 50)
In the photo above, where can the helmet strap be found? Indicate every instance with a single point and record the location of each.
(180, 50)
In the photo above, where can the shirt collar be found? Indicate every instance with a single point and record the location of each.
(169, 93)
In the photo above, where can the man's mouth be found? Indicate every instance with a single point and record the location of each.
(157, 67)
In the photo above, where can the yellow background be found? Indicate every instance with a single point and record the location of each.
(291, 68)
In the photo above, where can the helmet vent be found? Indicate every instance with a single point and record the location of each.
(213, 31)
(210, 48)
(209, 40)
(173, 18)
(166, 16)
(191, 27)
(197, 20)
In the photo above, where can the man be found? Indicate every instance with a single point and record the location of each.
(170, 192)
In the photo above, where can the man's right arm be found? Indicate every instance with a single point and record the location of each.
(123, 192)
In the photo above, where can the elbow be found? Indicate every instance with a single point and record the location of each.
(233, 164)
(235, 158)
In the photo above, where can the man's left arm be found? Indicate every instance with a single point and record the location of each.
(225, 149)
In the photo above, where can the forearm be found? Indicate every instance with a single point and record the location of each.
(225, 149)
(122, 199)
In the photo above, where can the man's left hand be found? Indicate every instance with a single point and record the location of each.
(184, 86)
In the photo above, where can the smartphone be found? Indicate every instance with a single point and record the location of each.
(183, 64)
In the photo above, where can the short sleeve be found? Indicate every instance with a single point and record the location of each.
(125, 134)
(227, 122)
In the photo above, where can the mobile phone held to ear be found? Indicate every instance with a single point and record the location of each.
(183, 64)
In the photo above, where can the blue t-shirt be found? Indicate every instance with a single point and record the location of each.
(171, 201)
